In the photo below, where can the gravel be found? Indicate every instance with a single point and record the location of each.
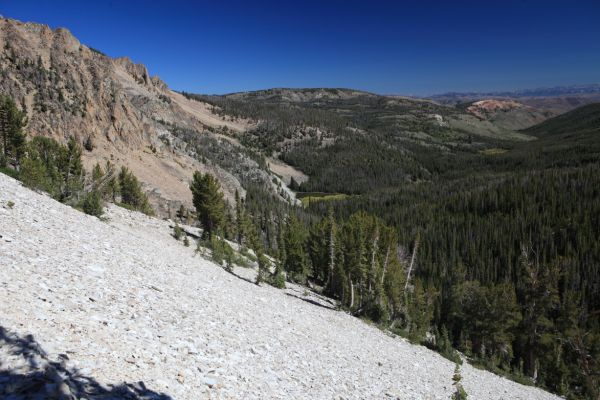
(121, 301)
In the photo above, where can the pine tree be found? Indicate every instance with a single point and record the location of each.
(71, 169)
(131, 192)
(295, 254)
(97, 175)
(538, 290)
(419, 312)
(92, 204)
(12, 138)
(209, 203)
(239, 218)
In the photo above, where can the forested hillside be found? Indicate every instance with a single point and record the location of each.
(489, 245)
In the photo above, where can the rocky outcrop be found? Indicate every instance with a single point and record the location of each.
(69, 89)
(507, 114)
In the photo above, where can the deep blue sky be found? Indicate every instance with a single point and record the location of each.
(420, 47)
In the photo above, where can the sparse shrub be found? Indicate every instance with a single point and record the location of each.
(186, 241)
(222, 253)
(92, 204)
(177, 232)
(244, 251)
(459, 393)
(10, 204)
(279, 280)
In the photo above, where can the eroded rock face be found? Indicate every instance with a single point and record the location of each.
(482, 107)
(507, 114)
(69, 89)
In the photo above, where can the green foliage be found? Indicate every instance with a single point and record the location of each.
(443, 346)
(584, 119)
(264, 267)
(222, 253)
(53, 168)
(12, 138)
(178, 232)
(208, 201)
(131, 192)
(295, 263)
(420, 308)
(459, 392)
(92, 204)
(9, 171)
(71, 169)
(488, 317)
(278, 279)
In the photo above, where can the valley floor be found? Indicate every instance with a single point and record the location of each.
(122, 301)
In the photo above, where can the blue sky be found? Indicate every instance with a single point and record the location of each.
(411, 47)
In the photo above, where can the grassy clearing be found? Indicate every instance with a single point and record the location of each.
(312, 197)
(493, 151)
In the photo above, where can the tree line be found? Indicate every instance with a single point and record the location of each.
(44, 164)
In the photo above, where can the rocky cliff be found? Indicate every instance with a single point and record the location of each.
(132, 118)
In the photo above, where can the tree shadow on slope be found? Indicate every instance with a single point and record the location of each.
(33, 376)
(324, 302)
(232, 272)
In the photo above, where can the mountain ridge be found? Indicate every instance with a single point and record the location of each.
(132, 118)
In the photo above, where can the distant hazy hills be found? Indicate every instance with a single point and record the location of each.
(555, 100)
(539, 92)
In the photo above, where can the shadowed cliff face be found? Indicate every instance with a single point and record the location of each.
(27, 373)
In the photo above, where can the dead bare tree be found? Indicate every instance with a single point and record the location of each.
(412, 260)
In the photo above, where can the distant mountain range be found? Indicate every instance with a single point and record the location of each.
(538, 92)
(554, 100)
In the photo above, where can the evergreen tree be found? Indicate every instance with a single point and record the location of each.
(12, 138)
(71, 169)
(131, 192)
(97, 175)
(92, 204)
(539, 299)
(419, 314)
(239, 218)
(296, 264)
(209, 203)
